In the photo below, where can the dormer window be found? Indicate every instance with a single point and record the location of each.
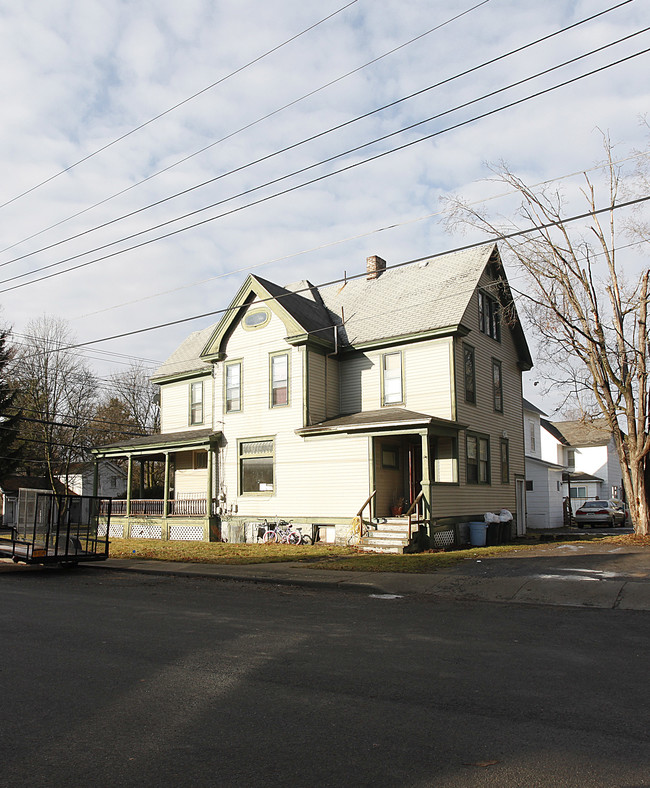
(256, 319)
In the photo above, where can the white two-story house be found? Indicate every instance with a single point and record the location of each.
(315, 404)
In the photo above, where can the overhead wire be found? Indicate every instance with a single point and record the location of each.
(250, 125)
(340, 280)
(338, 241)
(177, 105)
(346, 168)
(325, 132)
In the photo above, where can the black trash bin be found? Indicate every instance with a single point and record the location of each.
(493, 533)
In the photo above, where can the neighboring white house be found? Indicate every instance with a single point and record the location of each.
(111, 479)
(567, 461)
(544, 485)
(312, 403)
(591, 460)
(10, 488)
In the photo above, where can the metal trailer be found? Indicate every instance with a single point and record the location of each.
(57, 529)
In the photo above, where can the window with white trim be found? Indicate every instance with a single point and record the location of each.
(233, 387)
(256, 461)
(391, 379)
(279, 380)
(196, 402)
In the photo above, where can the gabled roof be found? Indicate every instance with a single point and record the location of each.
(553, 430)
(528, 405)
(11, 484)
(186, 359)
(301, 314)
(584, 433)
(427, 298)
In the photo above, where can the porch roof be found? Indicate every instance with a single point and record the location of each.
(386, 419)
(189, 439)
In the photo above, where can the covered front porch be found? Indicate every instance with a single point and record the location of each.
(171, 490)
(409, 455)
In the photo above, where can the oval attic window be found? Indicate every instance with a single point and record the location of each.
(256, 319)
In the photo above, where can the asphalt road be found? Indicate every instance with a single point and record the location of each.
(116, 679)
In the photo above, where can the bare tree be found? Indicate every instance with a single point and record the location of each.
(57, 392)
(588, 310)
(140, 397)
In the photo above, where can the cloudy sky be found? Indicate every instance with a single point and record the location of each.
(111, 107)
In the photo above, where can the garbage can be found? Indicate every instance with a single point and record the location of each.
(477, 534)
(493, 534)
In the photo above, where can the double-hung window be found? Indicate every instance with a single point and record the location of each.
(478, 459)
(445, 459)
(489, 316)
(279, 379)
(196, 402)
(505, 461)
(233, 387)
(497, 386)
(256, 466)
(391, 379)
(469, 365)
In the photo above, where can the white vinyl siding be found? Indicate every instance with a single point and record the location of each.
(175, 405)
(428, 385)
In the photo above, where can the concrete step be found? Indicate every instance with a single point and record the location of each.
(371, 541)
(375, 549)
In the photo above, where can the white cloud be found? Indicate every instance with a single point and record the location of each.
(80, 74)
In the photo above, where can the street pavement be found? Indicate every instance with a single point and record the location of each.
(588, 574)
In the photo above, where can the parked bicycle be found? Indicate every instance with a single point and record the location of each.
(281, 532)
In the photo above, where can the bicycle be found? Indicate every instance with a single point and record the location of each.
(282, 532)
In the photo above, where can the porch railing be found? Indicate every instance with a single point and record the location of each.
(415, 513)
(359, 515)
(180, 507)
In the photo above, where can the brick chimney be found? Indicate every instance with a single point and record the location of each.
(375, 265)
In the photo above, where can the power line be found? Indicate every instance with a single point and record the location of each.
(330, 174)
(317, 136)
(176, 106)
(271, 114)
(340, 280)
(338, 241)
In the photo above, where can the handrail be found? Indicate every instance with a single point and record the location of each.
(360, 512)
(409, 513)
(368, 499)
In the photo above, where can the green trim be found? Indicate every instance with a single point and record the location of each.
(233, 363)
(261, 493)
(305, 386)
(191, 403)
(447, 331)
(251, 289)
(277, 354)
(180, 376)
(313, 342)
(479, 436)
(401, 401)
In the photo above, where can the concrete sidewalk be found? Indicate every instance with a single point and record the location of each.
(584, 575)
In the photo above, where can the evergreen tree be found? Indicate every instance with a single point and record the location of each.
(10, 417)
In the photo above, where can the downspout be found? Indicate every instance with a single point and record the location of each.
(327, 364)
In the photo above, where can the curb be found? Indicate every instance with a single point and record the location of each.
(346, 585)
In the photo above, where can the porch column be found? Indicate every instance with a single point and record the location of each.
(427, 487)
(208, 504)
(96, 476)
(129, 477)
(166, 486)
